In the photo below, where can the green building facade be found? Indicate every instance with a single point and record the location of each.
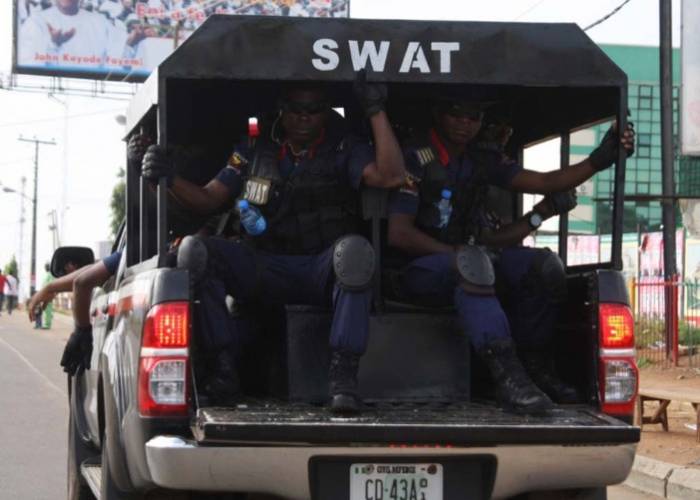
(643, 175)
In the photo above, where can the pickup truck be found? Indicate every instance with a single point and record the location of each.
(139, 426)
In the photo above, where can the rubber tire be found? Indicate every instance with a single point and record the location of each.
(78, 452)
(109, 490)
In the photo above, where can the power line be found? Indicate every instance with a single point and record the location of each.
(608, 16)
(527, 11)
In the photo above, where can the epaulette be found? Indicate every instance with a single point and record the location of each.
(425, 155)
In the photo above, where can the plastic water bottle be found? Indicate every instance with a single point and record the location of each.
(252, 220)
(445, 208)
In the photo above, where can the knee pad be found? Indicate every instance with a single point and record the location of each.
(475, 266)
(193, 256)
(354, 262)
(547, 273)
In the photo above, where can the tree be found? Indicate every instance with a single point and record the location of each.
(118, 203)
(11, 267)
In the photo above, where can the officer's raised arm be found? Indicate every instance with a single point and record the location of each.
(387, 171)
(603, 157)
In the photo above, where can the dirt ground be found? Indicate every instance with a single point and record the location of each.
(678, 445)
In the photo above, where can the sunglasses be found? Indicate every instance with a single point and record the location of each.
(309, 108)
(457, 112)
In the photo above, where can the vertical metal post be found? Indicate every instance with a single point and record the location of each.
(618, 209)
(667, 154)
(144, 219)
(22, 220)
(564, 154)
(32, 268)
(162, 190)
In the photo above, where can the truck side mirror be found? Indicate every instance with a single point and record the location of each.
(65, 260)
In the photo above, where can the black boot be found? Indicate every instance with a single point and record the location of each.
(540, 367)
(515, 390)
(342, 378)
(222, 386)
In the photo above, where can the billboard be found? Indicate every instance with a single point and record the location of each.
(690, 78)
(127, 39)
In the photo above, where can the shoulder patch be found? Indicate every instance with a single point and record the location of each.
(237, 161)
(425, 156)
(410, 185)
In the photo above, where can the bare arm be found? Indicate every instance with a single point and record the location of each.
(404, 235)
(90, 277)
(201, 199)
(528, 181)
(513, 233)
(388, 170)
(46, 294)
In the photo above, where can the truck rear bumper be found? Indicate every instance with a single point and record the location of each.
(177, 463)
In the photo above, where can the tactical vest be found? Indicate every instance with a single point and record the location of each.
(468, 196)
(307, 211)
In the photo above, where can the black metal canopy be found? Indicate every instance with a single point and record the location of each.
(549, 77)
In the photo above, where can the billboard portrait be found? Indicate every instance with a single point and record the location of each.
(127, 39)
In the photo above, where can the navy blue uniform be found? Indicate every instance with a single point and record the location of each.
(111, 262)
(237, 269)
(430, 276)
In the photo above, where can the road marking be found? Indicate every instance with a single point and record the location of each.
(35, 370)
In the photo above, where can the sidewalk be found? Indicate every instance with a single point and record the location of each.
(668, 463)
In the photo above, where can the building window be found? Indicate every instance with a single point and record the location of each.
(644, 103)
(644, 139)
(644, 152)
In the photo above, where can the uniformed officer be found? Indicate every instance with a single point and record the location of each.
(304, 175)
(441, 256)
(530, 282)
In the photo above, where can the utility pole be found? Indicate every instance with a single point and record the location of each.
(668, 201)
(53, 227)
(32, 268)
(22, 220)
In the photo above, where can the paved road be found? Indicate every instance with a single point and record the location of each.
(33, 408)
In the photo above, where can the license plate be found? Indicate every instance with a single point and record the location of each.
(396, 482)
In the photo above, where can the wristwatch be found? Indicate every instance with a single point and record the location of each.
(534, 220)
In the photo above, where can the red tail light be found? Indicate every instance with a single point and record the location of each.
(164, 365)
(618, 374)
(167, 325)
(616, 326)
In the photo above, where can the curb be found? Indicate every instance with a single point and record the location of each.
(676, 482)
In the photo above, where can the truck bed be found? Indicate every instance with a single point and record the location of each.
(446, 424)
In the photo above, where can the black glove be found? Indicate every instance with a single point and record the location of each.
(76, 355)
(371, 95)
(136, 148)
(605, 155)
(156, 164)
(562, 202)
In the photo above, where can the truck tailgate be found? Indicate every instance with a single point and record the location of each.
(456, 424)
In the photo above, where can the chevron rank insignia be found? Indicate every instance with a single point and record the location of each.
(425, 156)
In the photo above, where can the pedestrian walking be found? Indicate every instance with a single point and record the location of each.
(10, 288)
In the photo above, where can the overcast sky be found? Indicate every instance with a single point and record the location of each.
(89, 150)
